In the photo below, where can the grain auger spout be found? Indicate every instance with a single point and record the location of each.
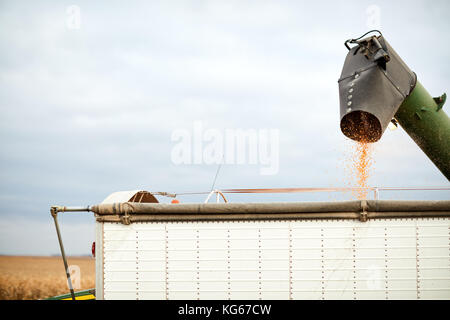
(377, 87)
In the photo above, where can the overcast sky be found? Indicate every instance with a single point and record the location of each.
(89, 100)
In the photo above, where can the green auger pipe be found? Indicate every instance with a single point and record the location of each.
(425, 121)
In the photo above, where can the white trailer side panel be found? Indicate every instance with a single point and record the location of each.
(302, 259)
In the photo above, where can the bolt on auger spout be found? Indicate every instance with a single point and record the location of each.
(377, 87)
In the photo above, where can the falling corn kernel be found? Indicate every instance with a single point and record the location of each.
(359, 162)
(362, 164)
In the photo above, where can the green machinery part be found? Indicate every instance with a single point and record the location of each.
(425, 121)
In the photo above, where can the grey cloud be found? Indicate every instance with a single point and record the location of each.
(88, 112)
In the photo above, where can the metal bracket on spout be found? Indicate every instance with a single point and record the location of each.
(440, 101)
(355, 40)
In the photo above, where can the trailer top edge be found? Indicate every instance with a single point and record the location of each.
(128, 212)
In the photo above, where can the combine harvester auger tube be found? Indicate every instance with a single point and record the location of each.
(377, 87)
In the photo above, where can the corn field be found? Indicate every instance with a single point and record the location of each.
(30, 278)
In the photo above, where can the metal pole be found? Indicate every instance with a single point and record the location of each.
(54, 213)
(376, 194)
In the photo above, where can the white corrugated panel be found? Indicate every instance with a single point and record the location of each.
(379, 259)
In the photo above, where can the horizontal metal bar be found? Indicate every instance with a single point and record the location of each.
(361, 210)
(279, 280)
(283, 291)
(271, 270)
(279, 259)
(380, 290)
(71, 209)
(316, 248)
(263, 238)
(283, 248)
(361, 269)
(183, 225)
(341, 189)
